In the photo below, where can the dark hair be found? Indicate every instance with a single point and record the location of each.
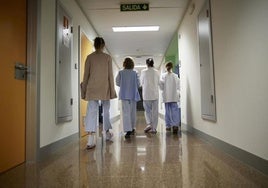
(128, 63)
(169, 66)
(150, 62)
(99, 43)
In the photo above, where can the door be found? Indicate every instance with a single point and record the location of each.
(12, 91)
(64, 100)
(85, 49)
(208, 101)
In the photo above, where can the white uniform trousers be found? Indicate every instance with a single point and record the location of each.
(151, 112)
(92, 116)
(129, 109)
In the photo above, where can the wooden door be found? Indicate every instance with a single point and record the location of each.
(12, 91)
(86, 48)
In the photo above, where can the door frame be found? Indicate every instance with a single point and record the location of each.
(33, 82)
(80, 32)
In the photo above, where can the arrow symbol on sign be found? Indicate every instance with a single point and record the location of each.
(144, 7)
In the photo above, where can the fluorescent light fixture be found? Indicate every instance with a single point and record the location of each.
(140, 66)
(136, 28)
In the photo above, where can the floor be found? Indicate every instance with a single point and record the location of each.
(145, 160)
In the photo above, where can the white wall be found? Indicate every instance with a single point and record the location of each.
(49, 131)
(241, 62)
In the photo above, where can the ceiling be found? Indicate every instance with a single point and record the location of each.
(104, 14)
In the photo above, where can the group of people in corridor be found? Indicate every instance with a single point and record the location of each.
(98, 85)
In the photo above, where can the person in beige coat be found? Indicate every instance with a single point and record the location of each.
(98, 85)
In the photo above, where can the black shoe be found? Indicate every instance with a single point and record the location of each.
(168, 129)
(147, 128)
(133, 132)
(128, 134)
(175, 130)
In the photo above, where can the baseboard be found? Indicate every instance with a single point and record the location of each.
(242, 155)
(50, 149)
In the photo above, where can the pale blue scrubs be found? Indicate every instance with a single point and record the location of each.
(129, 114)
(91, 119)
(172, 114)
(151, 112)
(128, 81)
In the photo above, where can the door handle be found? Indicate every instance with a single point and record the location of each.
(20, 71)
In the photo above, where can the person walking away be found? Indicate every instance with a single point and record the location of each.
(98, 85)
(128, 81)
(150, 94)
(170, 86)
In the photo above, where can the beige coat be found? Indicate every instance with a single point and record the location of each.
(98, 81)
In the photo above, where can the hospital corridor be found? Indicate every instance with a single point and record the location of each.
(69, 67)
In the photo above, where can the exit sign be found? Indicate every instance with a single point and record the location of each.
(134, 7)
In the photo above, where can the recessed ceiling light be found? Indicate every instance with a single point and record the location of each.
(136, 28)
(140, 66)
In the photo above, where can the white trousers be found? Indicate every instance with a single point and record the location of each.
(92, 116)
(151, 112)
(129, 109)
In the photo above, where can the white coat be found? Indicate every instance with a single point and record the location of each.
(150, 84)
(170, 86)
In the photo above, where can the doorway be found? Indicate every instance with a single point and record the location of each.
(86, 47)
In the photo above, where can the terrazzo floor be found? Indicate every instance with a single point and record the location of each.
(161, 160)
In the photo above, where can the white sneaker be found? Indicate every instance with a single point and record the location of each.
(147, 129)
(91, 146)
(91, 141)
(109, 136)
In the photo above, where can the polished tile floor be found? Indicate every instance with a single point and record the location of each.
(145, 160)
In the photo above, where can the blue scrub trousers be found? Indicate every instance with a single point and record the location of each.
(172, 114)
(92, 116)
(129, 109)
(151, 112)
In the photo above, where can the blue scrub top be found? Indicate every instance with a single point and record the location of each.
(129, 82)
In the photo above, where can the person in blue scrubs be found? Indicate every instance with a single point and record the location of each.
(128, 81)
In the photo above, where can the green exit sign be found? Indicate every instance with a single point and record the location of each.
(134, 7)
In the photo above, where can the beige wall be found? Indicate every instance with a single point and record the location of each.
(240, 58)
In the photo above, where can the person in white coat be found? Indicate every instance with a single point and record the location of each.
(150, 94)
(170, 86)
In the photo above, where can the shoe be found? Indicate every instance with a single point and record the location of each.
(133, 132)
(168, 129)
(175, 130)
(109, 136)
(91, 142)
(128, 134)
(91, 146)
(153, 131)
(147, 129)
